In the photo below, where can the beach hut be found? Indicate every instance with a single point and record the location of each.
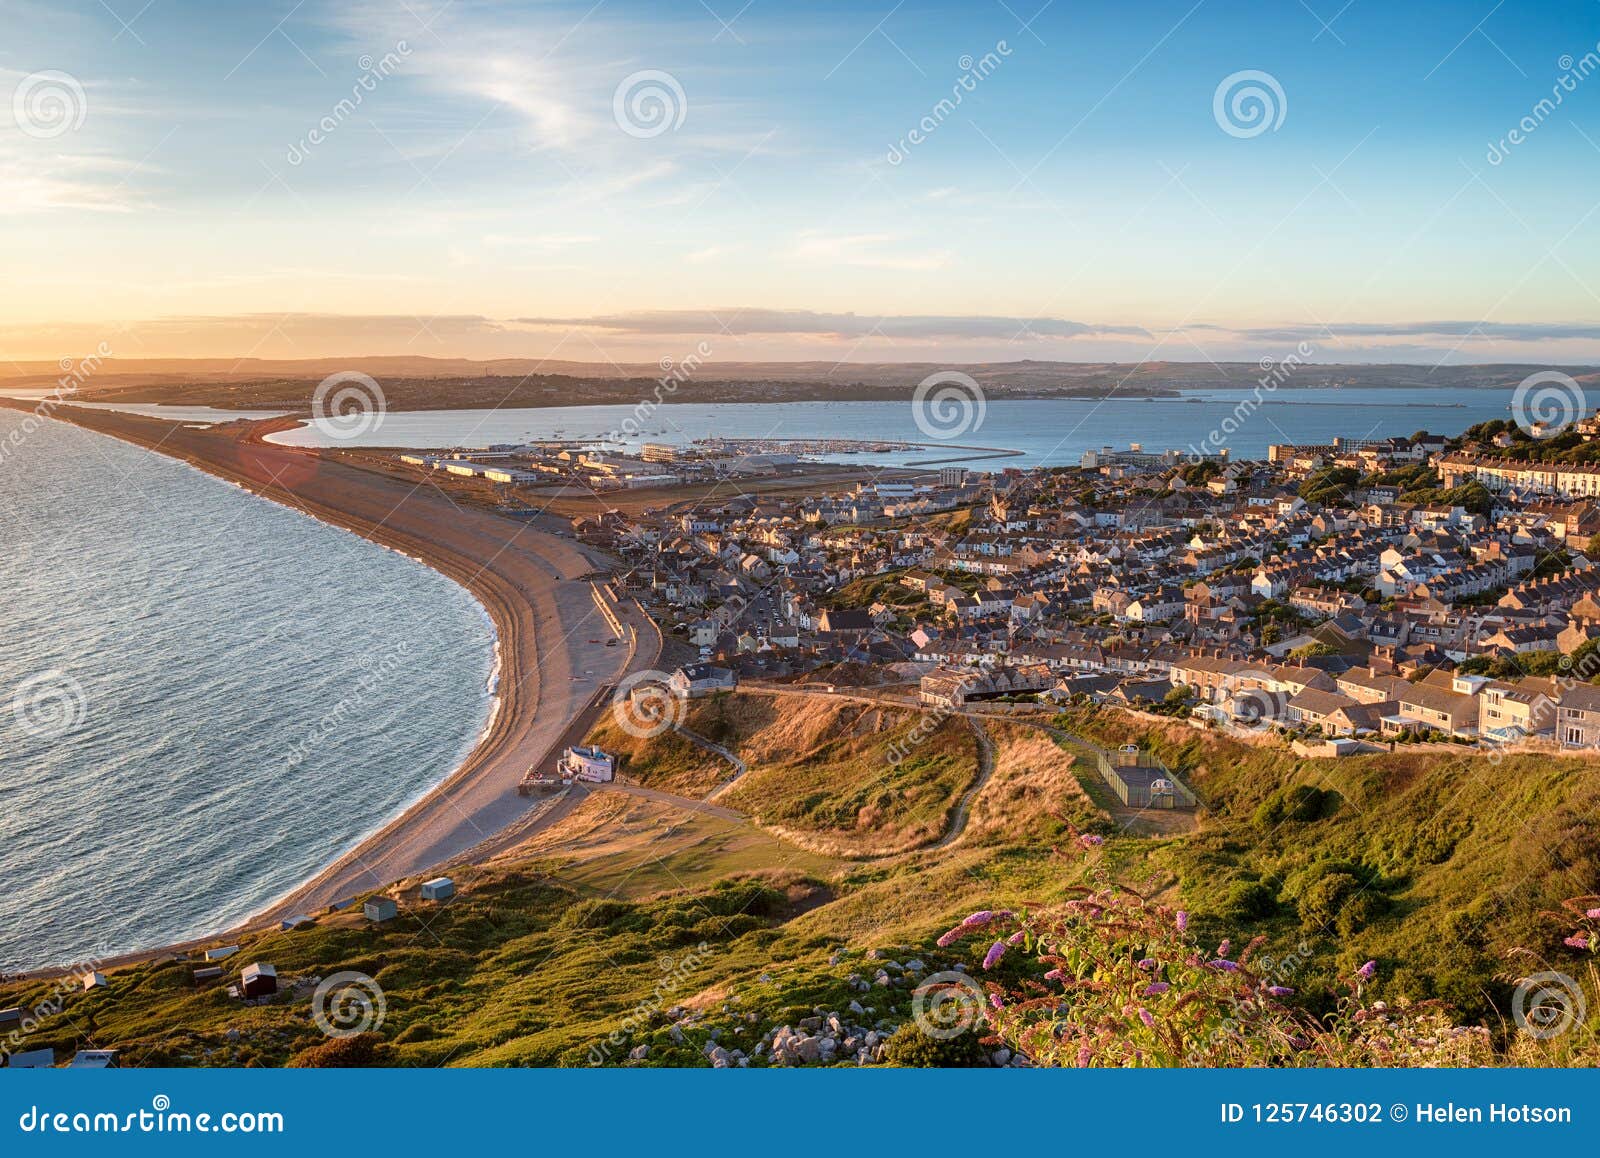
(94, 981)
(438, 889)
(207, 973)
(299, 920)
(380, 909)
(33, 1059)
(10, 1018)
(94, 1059)
(222, 953)
(258, 980)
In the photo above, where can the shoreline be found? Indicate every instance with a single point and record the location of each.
(528, 583)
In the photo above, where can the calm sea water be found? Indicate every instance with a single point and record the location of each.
(1047, 431)
(170, 756)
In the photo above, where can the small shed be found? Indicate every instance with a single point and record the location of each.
(258, 980)
(380, 909)
(207, 973)
(221, 953)
(297, 921)
(438, 889)
(94, 981)
(33, 1059)
(94, 1059)
(10, 1018)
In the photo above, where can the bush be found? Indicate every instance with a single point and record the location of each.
(354, 1052)
(1320, 905)
(911, 1048)
(1249, 900)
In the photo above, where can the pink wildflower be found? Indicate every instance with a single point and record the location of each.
(1085, 1056)
(1090, 840)
(1156, 988)
(1182, 921)
(1222, 949)
(1280, 991)
(1144, 1016)
(1148, 964)
(1368, 971)
(1223, 965)
(1576, 941)
(995, 1000)
(992, 957)
(1593, 914)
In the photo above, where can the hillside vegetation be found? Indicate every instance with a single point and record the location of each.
(639, 931)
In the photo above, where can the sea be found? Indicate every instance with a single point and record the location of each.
(967, 431)
(205, 697)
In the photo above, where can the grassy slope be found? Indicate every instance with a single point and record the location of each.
(1436, 864)
(548, 951)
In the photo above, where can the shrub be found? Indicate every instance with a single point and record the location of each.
(911, 1048)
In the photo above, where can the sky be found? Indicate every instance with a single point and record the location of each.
(982, 181)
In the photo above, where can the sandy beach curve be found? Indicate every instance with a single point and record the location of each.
(553, 657)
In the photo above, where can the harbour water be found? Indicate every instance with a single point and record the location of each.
(1048, 432)
(205, 697)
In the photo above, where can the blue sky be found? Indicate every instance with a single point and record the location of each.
(1082, 201)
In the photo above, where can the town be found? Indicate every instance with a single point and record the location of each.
(1399, 590)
